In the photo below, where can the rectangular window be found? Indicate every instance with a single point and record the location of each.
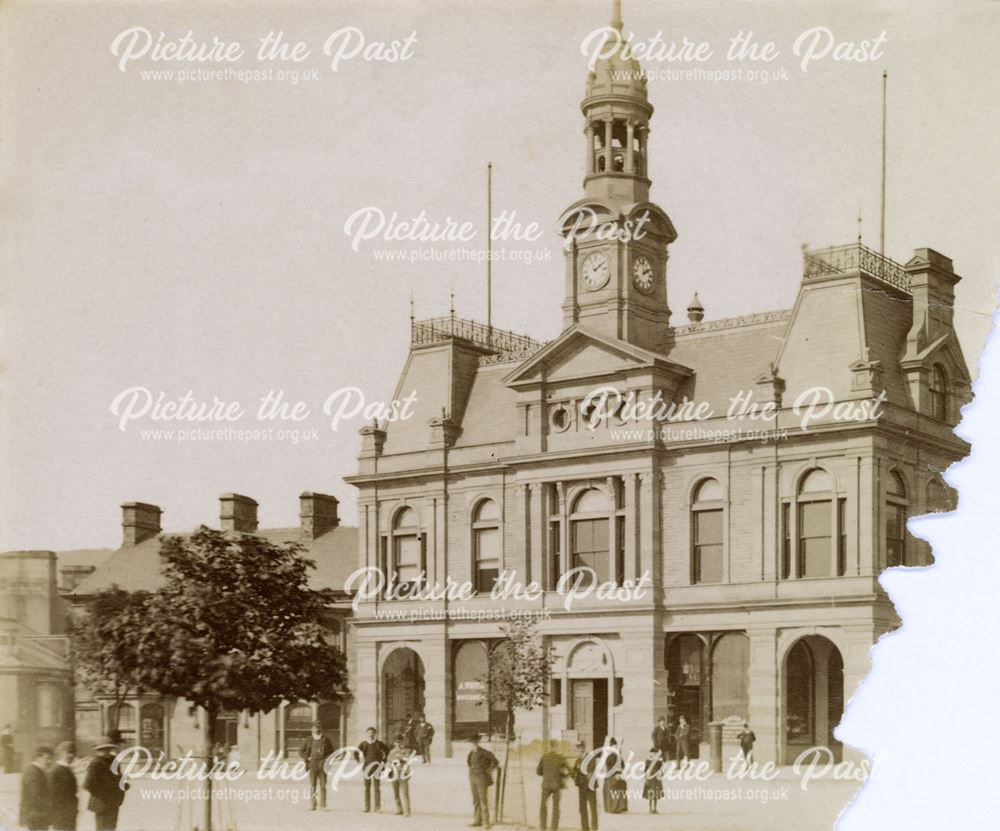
(786, 541)
(407, 558)
(487, 541)
(556, 698)
(620, 550)
(590, 546)
(815, 539)
(708, 528)
(555, 554)
(895, 535)
(842, 539)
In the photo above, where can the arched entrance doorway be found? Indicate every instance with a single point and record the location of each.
(590, 689)
(402, 690)
(813, 693)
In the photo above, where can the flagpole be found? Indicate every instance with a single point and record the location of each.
(881, 236)
(489, 249)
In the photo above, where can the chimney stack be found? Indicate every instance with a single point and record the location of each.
(932, 284)
(237, 513)
(140, 522)
(317, 514)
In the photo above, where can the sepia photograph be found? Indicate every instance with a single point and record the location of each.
(440, 414)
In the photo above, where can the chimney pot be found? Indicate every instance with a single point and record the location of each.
(237, 513)
(140, 522)
(317, 514)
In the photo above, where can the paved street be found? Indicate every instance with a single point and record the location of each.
(441, 801)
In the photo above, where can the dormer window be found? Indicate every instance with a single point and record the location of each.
(939, 393)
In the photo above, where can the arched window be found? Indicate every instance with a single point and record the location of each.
(895, 520)
(815, 525)
(589, 533)
(707, 530)
(406, 562)
(939, 393)
(486, 545)
(940, 497)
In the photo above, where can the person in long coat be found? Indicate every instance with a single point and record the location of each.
(36, 798)
(652, 783)
(682, 738)
(615, 792)
(62, 784)
(107, 792)
(586, 784)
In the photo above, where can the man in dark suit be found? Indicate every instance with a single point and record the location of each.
(62, 784)
(661, 737)
(553, 770)
(107, 792)
(7, 748)
(481, 765)
(373, 754)
(316, 749)
(36, 799)
(585, 779)
(425, 735)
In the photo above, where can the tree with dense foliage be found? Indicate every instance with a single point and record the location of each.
(103, 661)
(234, 626)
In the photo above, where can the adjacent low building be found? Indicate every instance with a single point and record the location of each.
(174, 727)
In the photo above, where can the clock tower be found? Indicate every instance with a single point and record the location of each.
(615, 238)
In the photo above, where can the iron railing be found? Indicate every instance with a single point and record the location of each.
(856, 257)
(500, 343)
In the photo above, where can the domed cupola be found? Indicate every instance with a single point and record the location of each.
(617, 112)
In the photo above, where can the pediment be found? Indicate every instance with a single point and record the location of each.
(580, 354)
(943, 350)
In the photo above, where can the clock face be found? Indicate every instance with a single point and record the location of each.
(595, 271)
(642, 274)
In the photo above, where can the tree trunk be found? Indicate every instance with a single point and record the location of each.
(207, 727)
(502, 785)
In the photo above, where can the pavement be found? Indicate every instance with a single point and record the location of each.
(441, 801)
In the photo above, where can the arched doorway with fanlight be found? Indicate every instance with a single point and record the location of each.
(812, 697)
(402, 689)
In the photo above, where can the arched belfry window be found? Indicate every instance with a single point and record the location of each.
(486, 545)
(707, 531)
(939, 393)
(895, 520)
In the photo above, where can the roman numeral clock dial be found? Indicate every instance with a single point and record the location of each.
(642, 274)
(595, 272)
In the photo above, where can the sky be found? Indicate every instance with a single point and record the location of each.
(170, 235)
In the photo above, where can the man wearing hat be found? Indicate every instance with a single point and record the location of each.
(316, 749)
(36, 800)
(481, 764)
(62, 786)
(107, 791)
(585, 779)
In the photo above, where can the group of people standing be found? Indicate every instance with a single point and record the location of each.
(380, 763)
(49, 793)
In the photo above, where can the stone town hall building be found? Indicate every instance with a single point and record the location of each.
(761, 557)
(764, 557)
